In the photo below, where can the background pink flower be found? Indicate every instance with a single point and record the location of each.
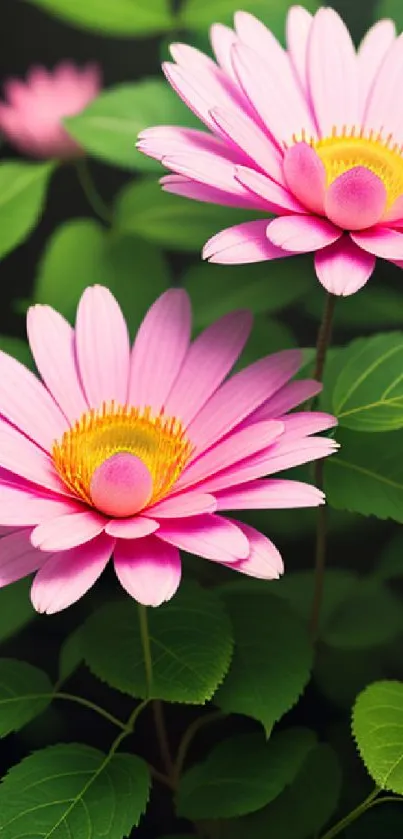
(312, 134)
(31, 118)
(137, 452)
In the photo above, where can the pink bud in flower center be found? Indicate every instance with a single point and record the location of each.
(121, 486)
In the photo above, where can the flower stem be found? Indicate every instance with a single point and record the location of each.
(145, 641)
(91, 193)
(355, 814)
(188, 737)
(86, 703)
(322, 345)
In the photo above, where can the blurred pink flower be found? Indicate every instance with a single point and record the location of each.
(312, 134)
(137, 452)
(32, 116)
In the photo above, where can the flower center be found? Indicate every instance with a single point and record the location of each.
(119, 459)
(341, 153)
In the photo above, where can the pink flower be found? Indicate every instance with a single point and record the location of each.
(312, 134)
(138, 452)
(32, 117)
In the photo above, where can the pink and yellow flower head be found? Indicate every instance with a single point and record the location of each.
(137, 452)
(312, 134)
(32, 116)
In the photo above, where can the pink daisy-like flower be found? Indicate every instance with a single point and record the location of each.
(312, 134)
(137, 452)
(32, 117)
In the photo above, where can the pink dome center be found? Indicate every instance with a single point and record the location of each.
(121, 486)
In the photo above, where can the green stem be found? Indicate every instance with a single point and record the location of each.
(86, 703)
(355, 814)
(188, 737)
(91, 193)
(145, 642)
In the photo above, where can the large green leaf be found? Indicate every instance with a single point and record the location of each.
(191, 646)
(22, 194)
(378, 731)
(303, 808)
(169, 220)
(109, 127)
(366, 475)
(243, 774)
(25, 691)
(199, 14)
(73, 791)
(71, 655)
(368, 393)
(272, 657)
(16, 609)
(124, 18)
(218, 289)
(341, 674)
(81, 253)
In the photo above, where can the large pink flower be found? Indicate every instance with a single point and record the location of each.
(312, 134)
(32, 117)
(137, 452)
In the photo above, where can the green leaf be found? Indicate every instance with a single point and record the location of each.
(108, 128)
(217, 289)
(390, 8)
(81, 253)
(378, 731)
(272, 657)
(369, 617)
(18, 348)
(71, 655)
(302, 809)
(378, 308)
(169, 220)
(122, 17)
(199, 14)
(368, 394)
(191, 646)
(16, 609)
(390, 564)
(243, 774)
(25, 692)
(22, 195)
(73, 790)
(341, 674)
(366, 475)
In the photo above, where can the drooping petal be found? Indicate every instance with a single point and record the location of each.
(159, 349)
(102, 345)
(51, 339)
(270, 495)
(301, 234)
(332, 72)
(149, 570)
(381, 241)
(278, 199)
(17, 557)
(207, 363)
(263, 561)
(183, 505)
(343, 268)
(371, 53)
(381, 111)
(243, 243)
(22, 457)
(133, 528)
(210, 536)
(298, 27)
(68, 575)
(68, 531)
(22, 505)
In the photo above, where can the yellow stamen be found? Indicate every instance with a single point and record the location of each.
(159, 441)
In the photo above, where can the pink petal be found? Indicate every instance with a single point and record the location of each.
(27, 404)
(213, 171)
(305, 175)
(210, 536)
(222, 40)
(301, 234)
(243, 243)
(264, 560)
(133, 528)
(21, 506)
(102, 344)
(163, 140)
(304, 423)
(278, 198)
(22, 457)
(232, 449)
(356, 199)
(67, 576)
(189, 57)
(149, 570)
(68, 531)
(183, 505)
(287, 398)
(207, 363)
(381, 112)
(187, 188)
(159, 349)
(201, 91)
(241, 395)
(343, 268)
(298, 27)
(51, 340)
(270, 495)
(274, 92)
(241, 130)
(332, 72)
(381, 241)
(372, 51)
(17, 557)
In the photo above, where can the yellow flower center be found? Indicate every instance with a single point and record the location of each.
(119, 458)
(340, 153)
